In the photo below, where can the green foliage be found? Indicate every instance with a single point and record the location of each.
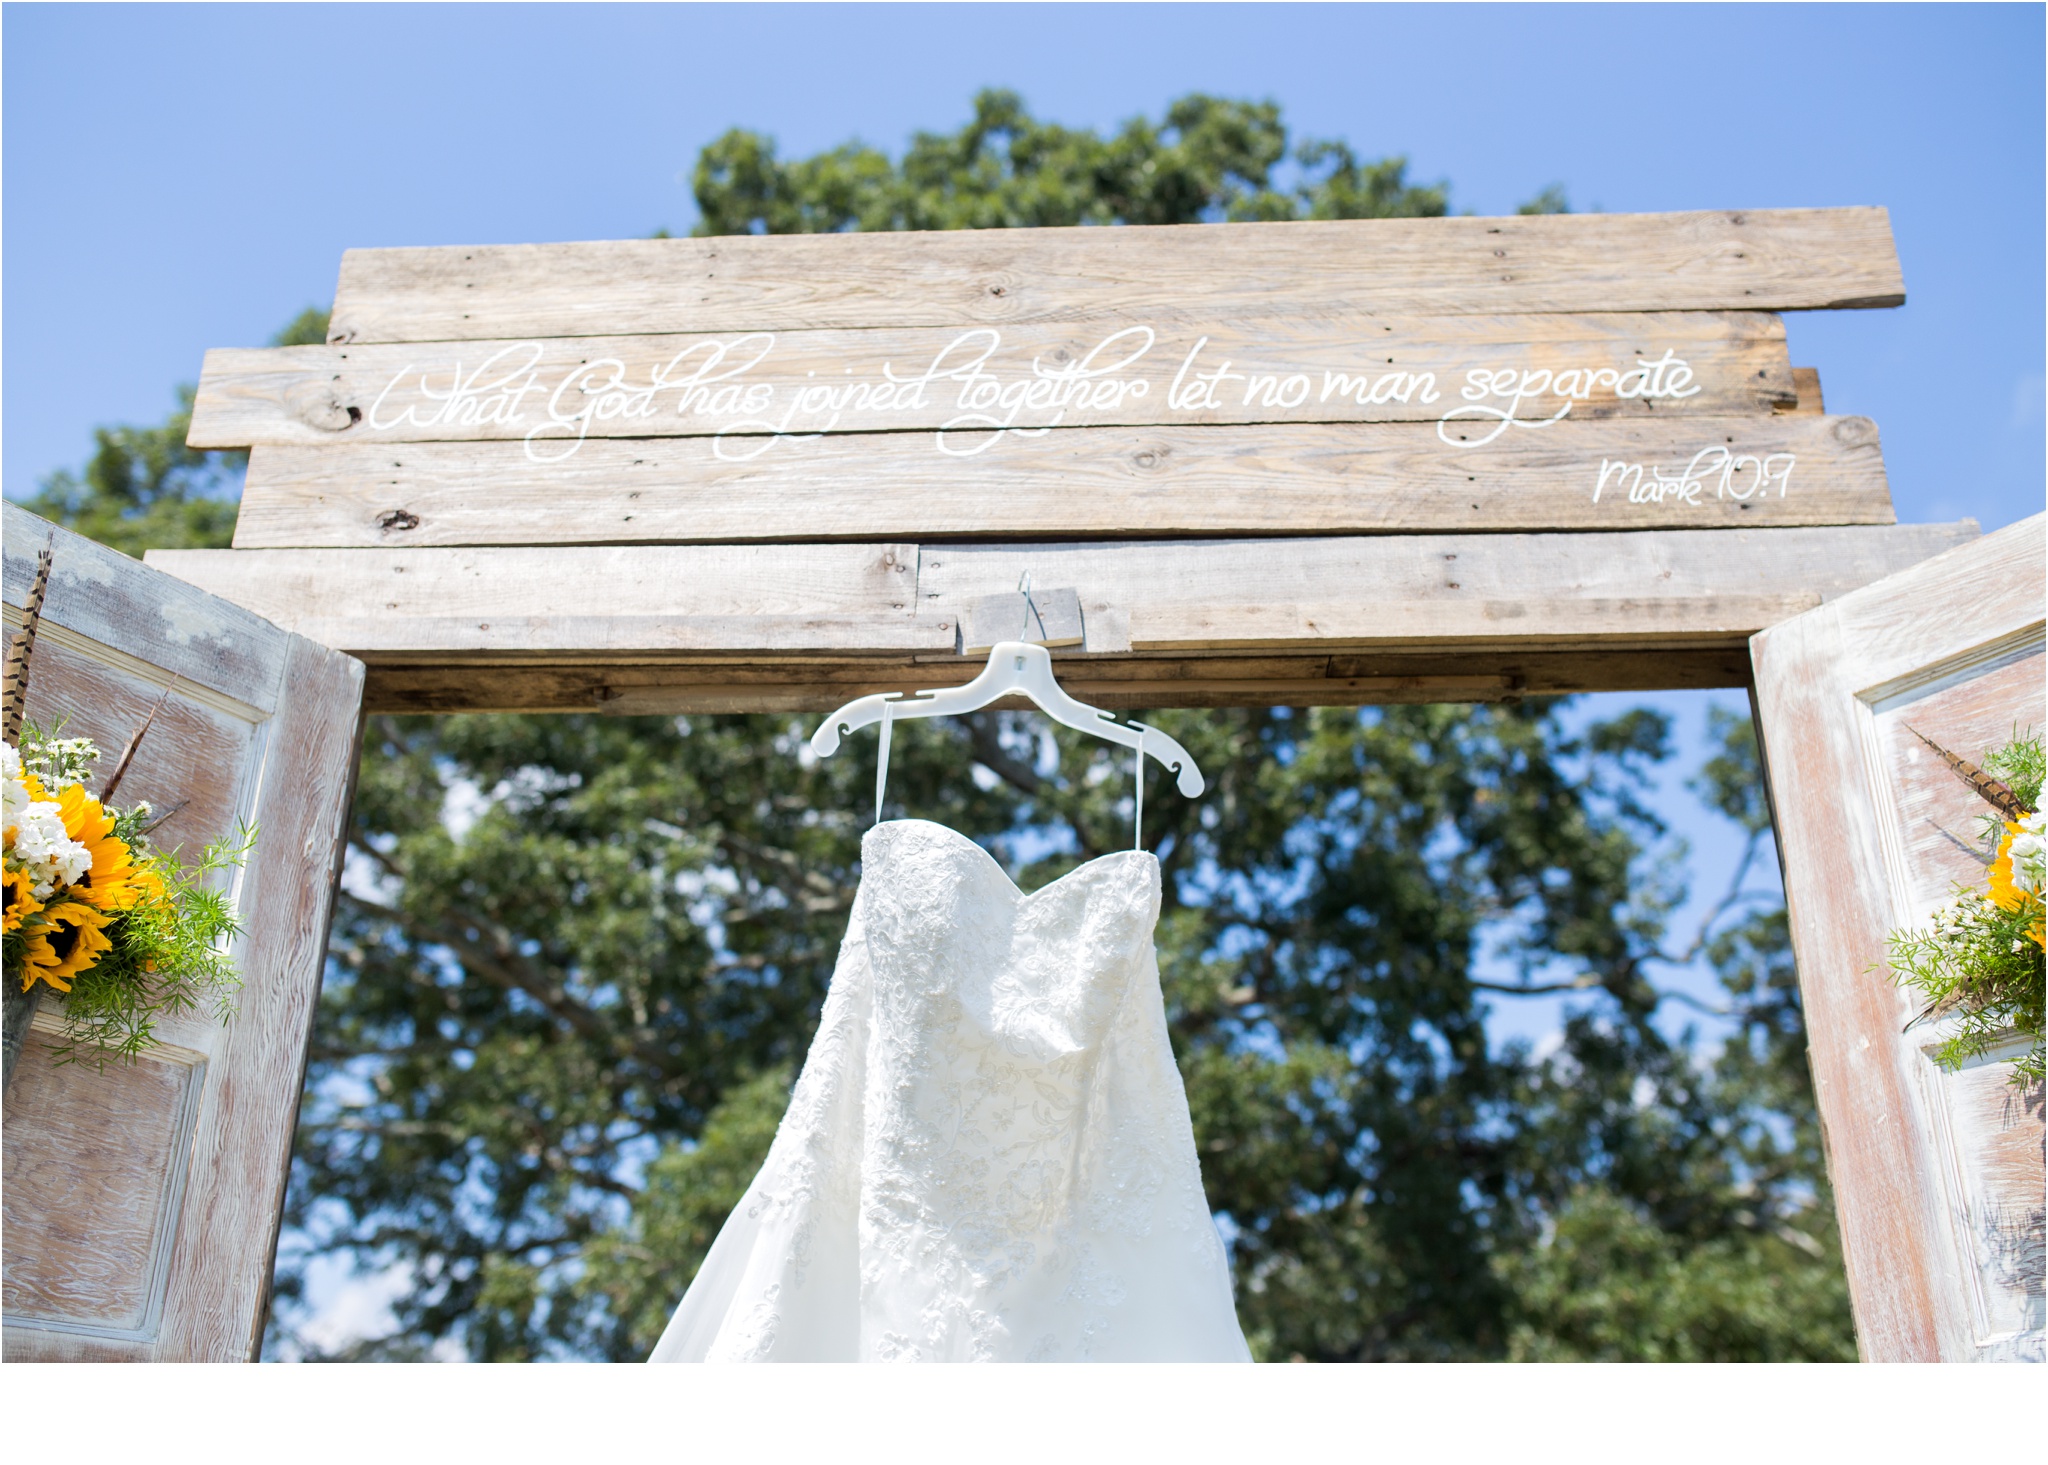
(1207, 159)
(1977, 962)
(144, 489)
(2021, 762)
(578, 958)
(167, 959)
(1607, 1284)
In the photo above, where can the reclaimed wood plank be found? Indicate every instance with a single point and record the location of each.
(1110, 482)
(597, 599)
(1922, 1221)
(818, 685)
(812, 605)
(148, 618)
(94, 1166)
(1807, 398)
(219, 1283)
(1762, 259)
(555, 392)
(1527, 589)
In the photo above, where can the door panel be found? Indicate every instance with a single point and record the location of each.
(1938, 1176)
(142, 1202)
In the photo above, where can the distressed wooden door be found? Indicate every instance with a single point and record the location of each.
(142, 1201)
(1938, 1176)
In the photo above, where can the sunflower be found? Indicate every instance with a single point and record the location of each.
(72, 939)
(108, 883)
(148, 884)
(2007, 894)
(21, 900)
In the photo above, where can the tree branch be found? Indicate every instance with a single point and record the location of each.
(502, 964)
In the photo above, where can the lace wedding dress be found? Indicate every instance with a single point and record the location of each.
(987, 1155)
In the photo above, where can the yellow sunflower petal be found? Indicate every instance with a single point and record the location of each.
(37, 961)
(21, 900)
(75, 939)
(2003, 892)
(106, 883)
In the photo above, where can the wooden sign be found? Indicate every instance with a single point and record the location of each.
(1405, 376)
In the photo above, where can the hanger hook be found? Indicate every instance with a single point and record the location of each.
(1032, 612)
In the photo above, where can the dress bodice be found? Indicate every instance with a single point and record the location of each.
(987, 1155)
(951, 937)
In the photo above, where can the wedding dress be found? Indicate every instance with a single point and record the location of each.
(987, 1155)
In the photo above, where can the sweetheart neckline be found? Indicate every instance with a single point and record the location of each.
(997, 865)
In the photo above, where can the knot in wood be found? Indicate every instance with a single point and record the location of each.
(318, 406)
(392, 520)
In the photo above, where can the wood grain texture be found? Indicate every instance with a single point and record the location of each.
(1107, 482)
(106, 597)
(817, 685)
(1356, 369)
(1989, 1138)
(1765, 259)
(738, 628)
(1807, 394)
(93, 1161)
(600, 600)
(241, 1147)
(1937, 815)
(190, 767)
(1529, 590)
(1824, 682)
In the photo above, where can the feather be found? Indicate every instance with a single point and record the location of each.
(1991, 790)
(14, 702)
(128, 753)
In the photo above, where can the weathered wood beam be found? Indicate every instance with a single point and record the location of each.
(1111, 373)
(93, 599)
(1112, 482)
(1762, 259)
(1179, 623)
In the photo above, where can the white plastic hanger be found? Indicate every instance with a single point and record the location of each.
(1015, 668)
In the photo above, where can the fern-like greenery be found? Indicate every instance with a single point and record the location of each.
(168, 957)
(1977, 961)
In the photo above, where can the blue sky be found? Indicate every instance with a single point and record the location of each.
(179, 177)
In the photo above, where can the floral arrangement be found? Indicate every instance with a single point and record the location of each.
(1983, 953)
(93, 910)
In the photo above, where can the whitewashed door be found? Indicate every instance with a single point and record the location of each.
(142, 1202)
(1938, 1176)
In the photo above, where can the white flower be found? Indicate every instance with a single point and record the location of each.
(13, 792)
(53, 858)
(61, 761)
(2027, 854)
